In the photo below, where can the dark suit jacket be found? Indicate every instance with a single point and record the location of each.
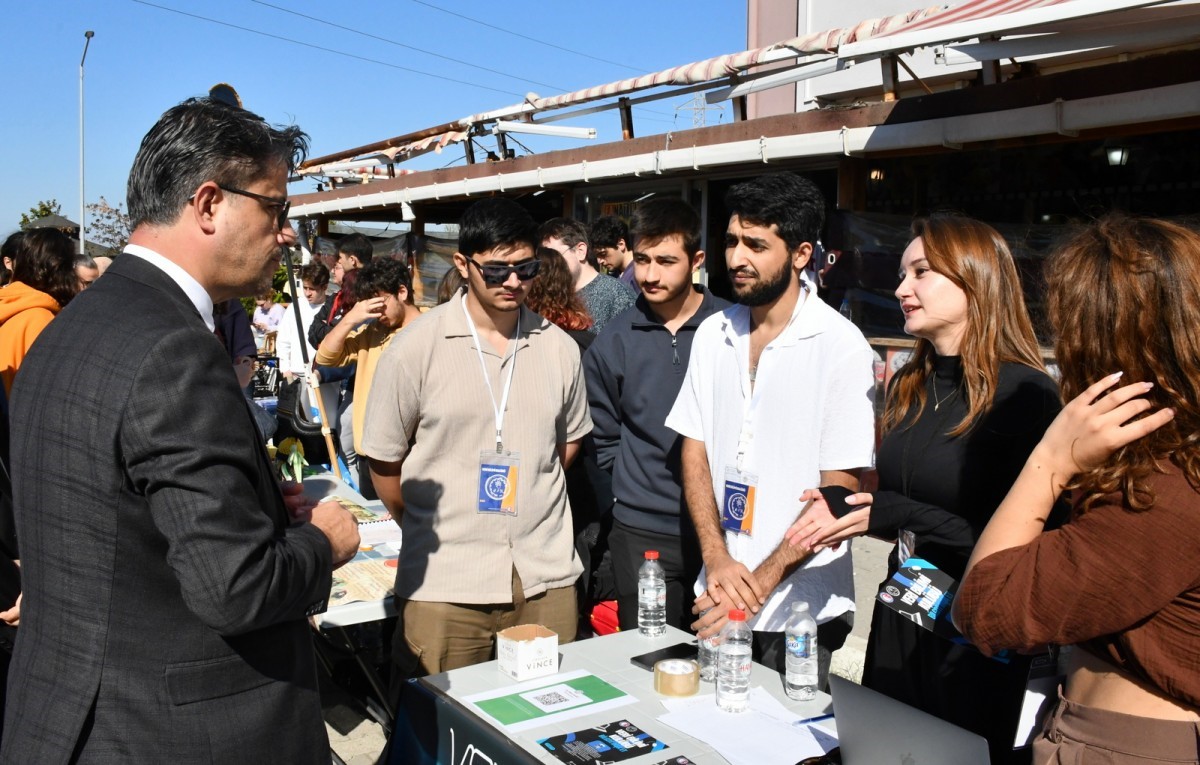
(165, 593)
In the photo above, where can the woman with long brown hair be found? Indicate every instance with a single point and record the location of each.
(961, 417)
(1121, 580)
(553, 296)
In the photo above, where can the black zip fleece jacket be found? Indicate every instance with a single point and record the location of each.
(634, 371)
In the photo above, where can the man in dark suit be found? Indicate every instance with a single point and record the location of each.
(167, 578)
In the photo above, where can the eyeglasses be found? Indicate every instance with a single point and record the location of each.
(283, 204)
(495, 274)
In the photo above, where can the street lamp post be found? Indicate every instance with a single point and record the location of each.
(82, 203)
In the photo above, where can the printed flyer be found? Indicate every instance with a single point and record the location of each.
(609, 743)
(549, 699)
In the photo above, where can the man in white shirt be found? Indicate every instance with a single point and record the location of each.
(777, 399)
(314, 279)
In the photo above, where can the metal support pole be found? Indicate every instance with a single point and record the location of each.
(82, 202)
(626, 111)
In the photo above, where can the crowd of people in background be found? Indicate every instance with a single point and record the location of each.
(576, 398)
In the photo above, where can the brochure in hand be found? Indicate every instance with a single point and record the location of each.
(923, 593)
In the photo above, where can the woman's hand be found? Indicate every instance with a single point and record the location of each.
(818, 528)
(1096, 424)
(1083, 435)
(814, 516)
(850, 525)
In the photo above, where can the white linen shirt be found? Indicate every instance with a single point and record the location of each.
(812, 410)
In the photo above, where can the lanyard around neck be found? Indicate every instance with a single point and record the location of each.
(498, 410)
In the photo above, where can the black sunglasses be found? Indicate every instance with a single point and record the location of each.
(283, 204)
(495, 274)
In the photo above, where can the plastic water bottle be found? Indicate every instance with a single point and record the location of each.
(652, 597)
(707, 654)
(733, 663)
(800, 672)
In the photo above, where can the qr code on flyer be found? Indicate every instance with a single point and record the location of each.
(555, 698)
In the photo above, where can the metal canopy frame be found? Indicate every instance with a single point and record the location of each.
(975, 31)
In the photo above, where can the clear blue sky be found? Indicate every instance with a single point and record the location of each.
(143, 59)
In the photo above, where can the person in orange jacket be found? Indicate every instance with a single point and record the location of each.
(43, 281)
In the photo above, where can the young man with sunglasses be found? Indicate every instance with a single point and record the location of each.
(476, 411)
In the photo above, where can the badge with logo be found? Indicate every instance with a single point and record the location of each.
(737, 510)
(498, 482)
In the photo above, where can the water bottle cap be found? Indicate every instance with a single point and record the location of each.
(737, 615)
(800, 605)
(652, 555)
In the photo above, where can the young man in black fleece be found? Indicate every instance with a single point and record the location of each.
(634, 370)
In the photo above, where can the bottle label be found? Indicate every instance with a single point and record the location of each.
(798, 646)
(650, 593)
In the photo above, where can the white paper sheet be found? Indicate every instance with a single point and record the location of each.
(762, 735)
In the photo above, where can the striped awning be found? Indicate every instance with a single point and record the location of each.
(834, 42)
(434, 142)
(870, 38)
(369, 166)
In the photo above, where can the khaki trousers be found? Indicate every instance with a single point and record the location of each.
(438, 637)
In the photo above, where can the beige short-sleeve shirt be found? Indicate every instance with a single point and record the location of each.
(429, 407)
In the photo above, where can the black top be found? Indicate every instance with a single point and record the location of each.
(945, 488)
(325, 319)
(634, 371)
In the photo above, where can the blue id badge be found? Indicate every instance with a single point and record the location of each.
(498, 482)
(737, 509)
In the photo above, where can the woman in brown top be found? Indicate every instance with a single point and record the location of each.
(1120, 581)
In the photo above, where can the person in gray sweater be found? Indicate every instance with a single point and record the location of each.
(634, 371)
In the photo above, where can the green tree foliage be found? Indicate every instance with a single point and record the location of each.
(109, 226)
(42, 209)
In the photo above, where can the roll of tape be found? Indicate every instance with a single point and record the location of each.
(677, 677)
